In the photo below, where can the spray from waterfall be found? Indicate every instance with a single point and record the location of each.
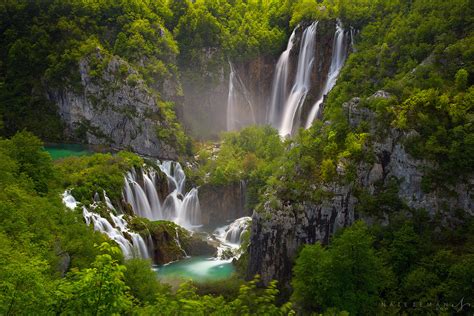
(239, 104)
(339, 55)
(301, 86)
(179, 206)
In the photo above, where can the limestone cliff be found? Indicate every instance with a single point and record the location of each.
(222, 203)
(280, 229)
(206, 91)
(112, 106)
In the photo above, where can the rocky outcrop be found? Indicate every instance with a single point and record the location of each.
(222, 203)
(171, 242)
(112, 106)
(281, 228)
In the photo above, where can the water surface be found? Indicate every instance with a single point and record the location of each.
(59, 151)
(199, 269)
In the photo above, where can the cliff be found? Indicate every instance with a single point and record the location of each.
(206, 92)
(222, 203)
(112, 106)
(281, 228)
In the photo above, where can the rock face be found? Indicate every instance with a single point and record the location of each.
(114, 108)
(172, 242)
(220, 204)
(279, 231)
(206, 92)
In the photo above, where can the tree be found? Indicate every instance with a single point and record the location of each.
(461, 79)
(99, 290)
(348, 275)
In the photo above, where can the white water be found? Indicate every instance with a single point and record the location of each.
(230, 236)
(180, 207)
(69, 200)
(302, 83)
(339, 54)
(130, 249)
(176, 239)
(239, 105)
(280, 85)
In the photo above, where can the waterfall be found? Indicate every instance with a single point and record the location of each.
(152, 194)
(302, 81)
(136, 247)
(353, 33)
(339, 54)
(230, 237)
(69, 200)
(233, 233)
(179, 206)
(280, 85)
(176, 239)
(238, 103)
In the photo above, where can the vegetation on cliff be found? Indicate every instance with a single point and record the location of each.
(420, 53)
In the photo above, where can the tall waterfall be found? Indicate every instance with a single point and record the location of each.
(280, 85)
(116, 231)
(180, 207)
(302, 82)
(339, 55)
(239, 105)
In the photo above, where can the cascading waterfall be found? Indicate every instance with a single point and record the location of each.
(238, 102)
(339, 55)
(280, 85)
(233, 233)
(116, 232)
(302, 81)
(180, 207)
(230, 236)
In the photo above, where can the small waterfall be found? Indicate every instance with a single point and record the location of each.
(234, 231)
(108, 202)
(178, 243)
(152, 194)
(353, 33)
(180, 207)
(136, 247)
(238, 103)
(302, 82)
(230, 236)
(339, 55)
(190, 212)
(280, 86)
(69, 200)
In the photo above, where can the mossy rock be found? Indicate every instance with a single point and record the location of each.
(171, 241)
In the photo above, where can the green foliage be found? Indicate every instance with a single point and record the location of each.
(237, 30)
(250, 301)
(96, 173)
(142, 281)
(42, 43)
(347, 275)
(461, 79)
(251, 155)
(99, 290)
(39, 239)
(32, 162)
(445, 132)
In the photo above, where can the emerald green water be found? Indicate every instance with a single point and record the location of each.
(66, 150)
(199, 269)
